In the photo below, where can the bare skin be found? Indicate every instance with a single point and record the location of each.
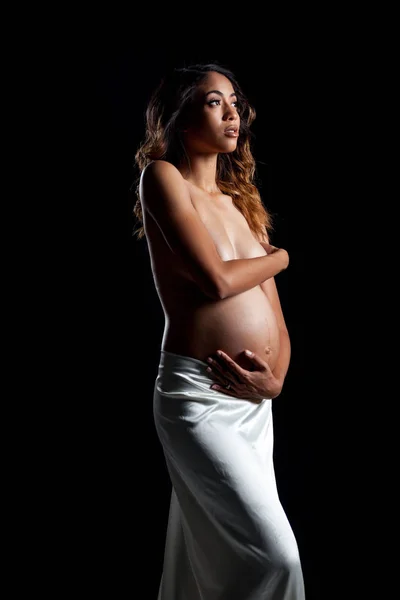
(217, 300)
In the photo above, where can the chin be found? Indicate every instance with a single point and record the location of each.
(231, 147)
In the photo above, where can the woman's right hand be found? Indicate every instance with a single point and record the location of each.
(278, 252)
(255, 385)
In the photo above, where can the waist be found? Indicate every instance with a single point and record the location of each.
(185, 377)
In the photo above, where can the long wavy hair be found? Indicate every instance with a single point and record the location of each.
(166, 113)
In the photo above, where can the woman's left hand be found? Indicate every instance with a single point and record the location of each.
(233, 380)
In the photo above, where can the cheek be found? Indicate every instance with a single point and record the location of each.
(202, 128)
(209, 122)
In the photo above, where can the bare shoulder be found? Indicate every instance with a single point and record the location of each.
(158, 170)
(162, 181)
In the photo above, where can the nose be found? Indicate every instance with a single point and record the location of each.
(231, 113)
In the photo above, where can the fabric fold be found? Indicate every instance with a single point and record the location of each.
(228, 537)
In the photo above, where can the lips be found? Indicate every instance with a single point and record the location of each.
(232, 131)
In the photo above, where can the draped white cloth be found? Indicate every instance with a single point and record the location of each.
(228, 537)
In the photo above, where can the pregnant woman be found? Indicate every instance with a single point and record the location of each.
(225, 349)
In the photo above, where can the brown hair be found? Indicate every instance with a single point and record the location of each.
(236, 171)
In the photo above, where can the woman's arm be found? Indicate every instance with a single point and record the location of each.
(261, 382)
(165, 196)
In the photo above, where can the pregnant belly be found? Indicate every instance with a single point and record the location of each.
(244, 321)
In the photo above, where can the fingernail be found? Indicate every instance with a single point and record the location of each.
(248, 352)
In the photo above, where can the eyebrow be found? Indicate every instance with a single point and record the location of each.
(219, 93)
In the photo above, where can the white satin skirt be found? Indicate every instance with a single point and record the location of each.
(228, 537)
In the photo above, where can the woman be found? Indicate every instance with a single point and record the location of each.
(225, 350)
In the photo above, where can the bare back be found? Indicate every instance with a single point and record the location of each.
(195, 324)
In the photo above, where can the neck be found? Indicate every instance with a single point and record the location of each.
(202, 172)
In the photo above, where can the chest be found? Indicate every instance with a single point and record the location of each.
(228, 228)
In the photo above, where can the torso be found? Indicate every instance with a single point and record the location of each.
(196, 325)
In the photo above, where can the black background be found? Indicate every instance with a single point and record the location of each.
(309, 145)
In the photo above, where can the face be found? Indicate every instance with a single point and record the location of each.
(214, 123)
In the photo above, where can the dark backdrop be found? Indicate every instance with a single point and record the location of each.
(306, 134)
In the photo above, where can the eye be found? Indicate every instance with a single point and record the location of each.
(217, 102)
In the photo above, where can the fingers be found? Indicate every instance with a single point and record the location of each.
(256, 360)
(230, 371)
(229, 363)
(222, 373)
(269, 248)
(224, 390)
